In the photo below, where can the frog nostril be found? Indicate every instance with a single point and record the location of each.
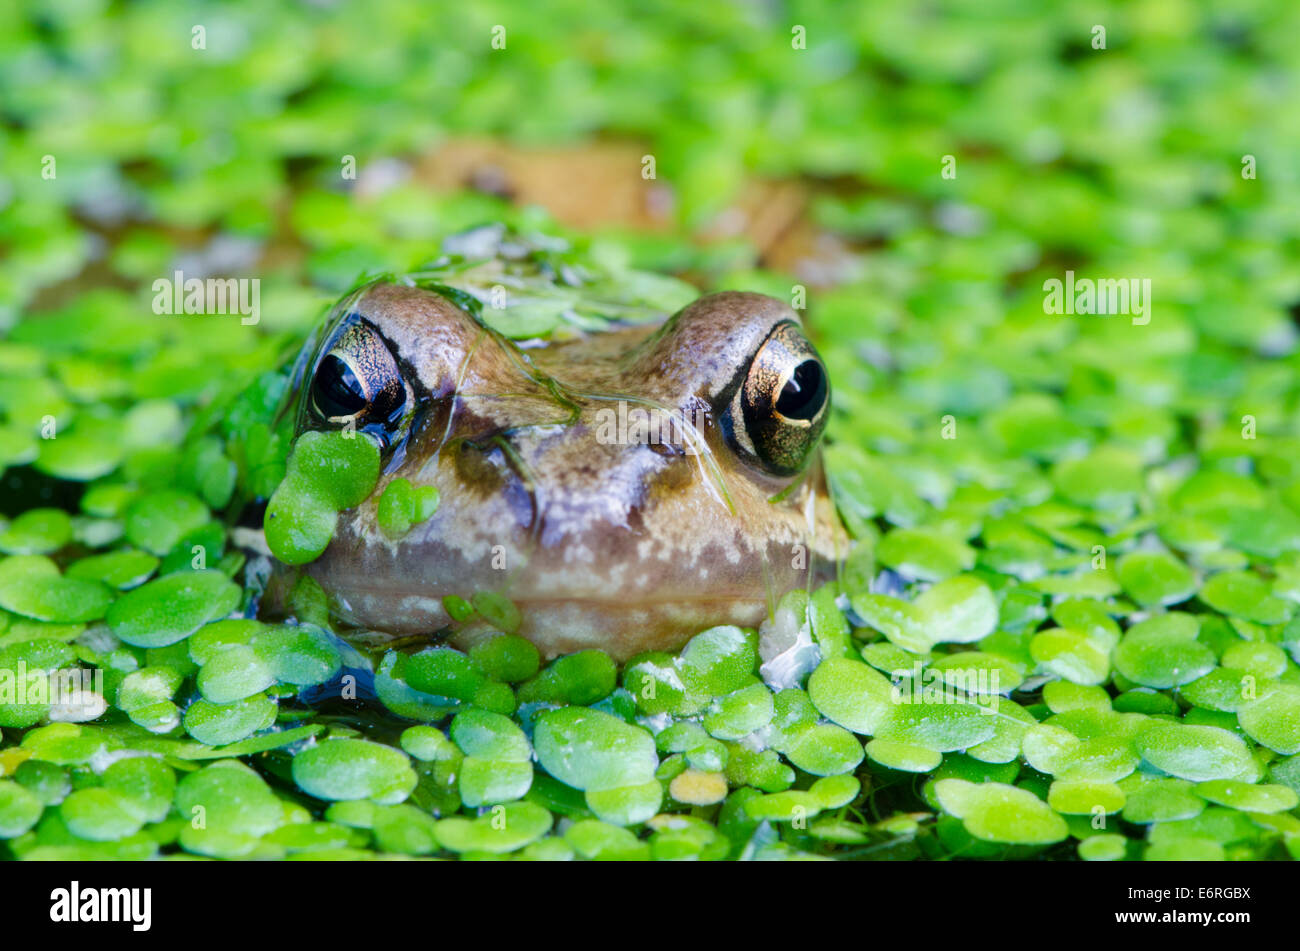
(663, 448)
(480, 465)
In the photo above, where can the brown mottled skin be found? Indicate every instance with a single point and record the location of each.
(622, 547)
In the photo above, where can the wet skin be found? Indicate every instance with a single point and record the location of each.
(556, 489)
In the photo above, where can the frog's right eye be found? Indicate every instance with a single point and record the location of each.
(357, 384)
(783, 403)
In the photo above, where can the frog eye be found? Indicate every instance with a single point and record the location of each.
(783, 402)
(357, 382)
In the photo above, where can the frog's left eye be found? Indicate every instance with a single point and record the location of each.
(784, 402)
(357, 382)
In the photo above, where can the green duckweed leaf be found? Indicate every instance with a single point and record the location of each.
(217, 724)
(1244, 594)
(942, 726)
(996, 812)
(1151, 799)
(171, 608)
(851, 694)
(718, 661)
(120, 569)
(823, 750)
(354, 769)
(959, 610)
(145, 784)
(156, 522)
(1107, 847)
(505, 828)
(1197, 753)
(591, 750)
(36, 532)
(1085, 797)
(626, 805)
(227, 798)
(1155, 579)
(100, 814)
(1273, 720)
(31, 585)
(19, 809)
(924, 554)
(326, 473)
(1248, 797)
(907, 757)
(1163, 652)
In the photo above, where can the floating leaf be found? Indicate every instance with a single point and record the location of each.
(354, 769)
(1159, 654)
(1244, 594)
(958, 610)
(31, 585)
(1273, 720)
(504, 828)
(996, 812)
(588, 749)
(1197, 753)
(171, 608)
(1155, 579)
(851, 694)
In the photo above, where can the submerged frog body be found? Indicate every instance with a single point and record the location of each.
(623, 489)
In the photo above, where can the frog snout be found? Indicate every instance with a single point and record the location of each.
(566, 480)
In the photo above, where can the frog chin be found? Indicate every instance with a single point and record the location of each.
(557, 626)
(610, 592)
(623, 629)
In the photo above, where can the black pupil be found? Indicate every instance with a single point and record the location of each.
(804, 393)
(338, 391)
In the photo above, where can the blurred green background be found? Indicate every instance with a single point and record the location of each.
(797, 143)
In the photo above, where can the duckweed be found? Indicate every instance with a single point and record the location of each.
(740, 713)
(497, 610)
(1197, 753)
(590, 749)
(119, 569)
(506, 828)
(851, 694)
(506, 658)
(581, 678)
(354, 769)
(1075, 538)
(228, 795)
(996, 812)
(1160, 653)
(31, 586)
(19, 809)
(36, 532)
(326, 472)
(497, 764)
(100, 815)
(171, 608)
(218, 724)
(906, 757)
(1273, 720)
(402, 505)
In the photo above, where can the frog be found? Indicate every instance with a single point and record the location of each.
(624, 486)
